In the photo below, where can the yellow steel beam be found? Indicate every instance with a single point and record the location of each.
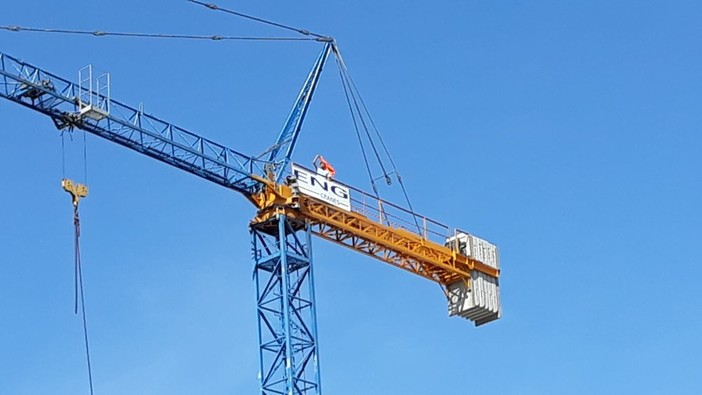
(396, 246)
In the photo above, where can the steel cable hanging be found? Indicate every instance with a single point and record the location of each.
(215, 7)
(354, 93)
(311, 36)
(358, 133)
(101, 33)
(85, 157)
(387, 153)
(79, 289)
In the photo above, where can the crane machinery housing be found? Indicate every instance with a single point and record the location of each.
(293, 203)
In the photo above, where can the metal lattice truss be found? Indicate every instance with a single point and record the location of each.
(63, 100)
(286, 312)
(281, 152)
(398, 247)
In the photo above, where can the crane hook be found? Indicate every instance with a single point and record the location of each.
(77, 191)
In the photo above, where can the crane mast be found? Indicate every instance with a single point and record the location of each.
(465, 266)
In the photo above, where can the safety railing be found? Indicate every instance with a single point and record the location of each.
(395, 216)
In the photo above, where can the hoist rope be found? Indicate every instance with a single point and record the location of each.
(304, 32)
(77, 270)
(85, 154)
(101, 33)
(85, 158)
(79, 290)
(63, 155)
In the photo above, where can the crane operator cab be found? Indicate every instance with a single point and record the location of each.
(477, 299)
(324, 168)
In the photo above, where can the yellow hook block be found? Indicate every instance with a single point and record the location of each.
(77, 191)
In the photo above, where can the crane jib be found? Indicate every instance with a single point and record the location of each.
(130, 127)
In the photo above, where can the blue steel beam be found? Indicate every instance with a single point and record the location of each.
(58, 98)
(279, 154)
(287, 324)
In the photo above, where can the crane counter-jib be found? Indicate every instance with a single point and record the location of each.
(466, 266)
(375, 208)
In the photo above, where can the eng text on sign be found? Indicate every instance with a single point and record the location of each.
(319, 187)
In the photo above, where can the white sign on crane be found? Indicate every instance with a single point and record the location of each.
(322, 188)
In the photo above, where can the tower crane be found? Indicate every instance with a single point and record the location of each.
(293, 203)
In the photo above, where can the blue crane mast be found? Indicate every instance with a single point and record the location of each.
(289, 360)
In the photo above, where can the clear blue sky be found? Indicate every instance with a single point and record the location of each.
(568, 133)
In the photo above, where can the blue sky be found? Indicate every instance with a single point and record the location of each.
(565, 132)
